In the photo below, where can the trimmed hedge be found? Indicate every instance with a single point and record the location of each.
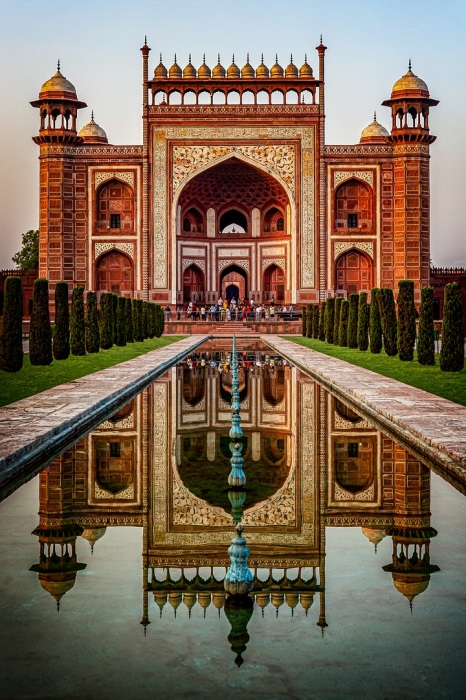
(77, 324)
(452, 351)
(92, 324)
(343, 333)
(375, 324)
(363, 322)
(106, 320)
(406, 320)
(121, 322)
(129, 320)
(426, 336)
(61, 334)
(323, 313)
(353, 321)
(11, 340)
(388, 319)
(40, 332)
(329, 319)
(336, 321)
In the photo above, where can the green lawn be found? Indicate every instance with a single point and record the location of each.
(450, 385)
(31, 380)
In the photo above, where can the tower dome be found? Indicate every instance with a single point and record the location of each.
(204, 71)
(233, 71)
(305, 71)
(262, 71)
(374, 132)
(247, 70)
(175, 70)
(58, 84)
(189, 71)
(291, 70)
(160, 71)
(409, 82)
(276, 71)
(93, 133)
(218, 71)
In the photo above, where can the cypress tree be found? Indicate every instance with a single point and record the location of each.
(11, 340)
(160, 320)
(353, 321)
(304, 322)
(375, 325)
(452, 351)
(139, 329)
(77, 324)
(344, 314)
(134, 304)
(114, 298)
(309, 320)
(426, 337)
(152, 320)
(92, 324)
(336, 321)
(388, 318)
(406, 320)
(329, 319)
(323, 313)
(121, 322)
(145, 319)
(40, 332)
(105, 320)
(61, 335)
(363, 322)
(315, 321)
(129, 320)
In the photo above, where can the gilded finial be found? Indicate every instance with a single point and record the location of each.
(233, 58)
(409, 64)
(160, 57)
(375, 115)
(218, 59)
(247, 57)
(305, 58)
(189, 58)
(58, 65)
(291, 59)
(175, 58)
(203, 58)
(276, 58)
(262, 58)
(92, 116)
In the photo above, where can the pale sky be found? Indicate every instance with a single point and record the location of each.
(97, 41)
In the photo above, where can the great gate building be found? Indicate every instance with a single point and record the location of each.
(234, 191)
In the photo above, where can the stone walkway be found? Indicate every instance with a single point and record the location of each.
(430, 427)
(38, 428)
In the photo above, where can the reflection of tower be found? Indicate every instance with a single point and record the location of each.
(58, 562)
(92, 534)
(239, 610)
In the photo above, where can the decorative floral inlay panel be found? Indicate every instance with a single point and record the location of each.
(342, 424)
(187, 262)
(126, 176)
(127, 248)
(126, 495)
(231, 261)
(271, 261)
(342, 246)
(343, 495)
(342, 175)
(123, 424)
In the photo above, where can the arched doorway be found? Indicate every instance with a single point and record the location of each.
(354, 272)
(234, 283)
(274, 283)
(193, 284)
(114, 273)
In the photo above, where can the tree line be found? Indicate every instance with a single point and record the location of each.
(84, 327)
(354, 323)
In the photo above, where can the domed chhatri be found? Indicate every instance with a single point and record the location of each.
(262, 71)
(59, 85)
(247, 70)
(189, 71)
(218, 71)
(410, 83)
(291, 70)
(374, 132)
(204, 71)
(306, 71)
(233, 71)
(93, 133)
(175, 71)
(276, 71)
(160, 71)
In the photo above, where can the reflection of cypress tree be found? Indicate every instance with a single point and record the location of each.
(129, 320)
(336, 320)
(363, 322)
(323, 311)
(353, 321)
(388, 318)
(315, 321)
(344, 313)
(11, 340)
(61, 335)
(121, 322)
(452, 351)
(77, 326)
(426, 337)
(329, 319)
(375, 325)
(406, 320)
(40, 332)
(105, 321)
(92, 324)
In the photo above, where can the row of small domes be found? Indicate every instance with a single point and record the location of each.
(247, 71)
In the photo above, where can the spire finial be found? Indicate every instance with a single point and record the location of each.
(247, 57)
(92, 119)
(262, 58)
(321, 38)
(375, 119)
(291, 59)
(276, 58)
(218, 59)
(189, 58)
(175, 58)
(160, 57)
(203, 58)
(409, 64)
(305, 58)
(145, 39)
(233, 58)
(58, 65)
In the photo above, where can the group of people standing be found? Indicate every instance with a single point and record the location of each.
(232, 310)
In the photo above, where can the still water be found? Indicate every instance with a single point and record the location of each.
(357, 552)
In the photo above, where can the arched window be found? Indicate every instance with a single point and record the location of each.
(233, 221)
(115, 206)
(274, 220)
(353, 207)
(193, 221)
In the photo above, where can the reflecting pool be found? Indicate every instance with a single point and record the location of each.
(357, 552)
